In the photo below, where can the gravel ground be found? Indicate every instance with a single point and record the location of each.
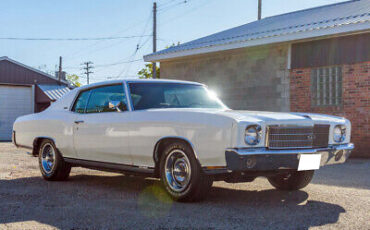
(338, 198)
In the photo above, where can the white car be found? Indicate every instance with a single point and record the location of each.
(181, 133)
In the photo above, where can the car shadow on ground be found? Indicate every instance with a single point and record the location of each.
(113, 202)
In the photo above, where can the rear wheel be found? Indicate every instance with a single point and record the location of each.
(182, 175)
(292, 181)
(52, 164)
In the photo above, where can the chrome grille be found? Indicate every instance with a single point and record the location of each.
(281, 137)
(321, 135)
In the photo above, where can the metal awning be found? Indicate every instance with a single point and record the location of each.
(329, 20)
(54, 92)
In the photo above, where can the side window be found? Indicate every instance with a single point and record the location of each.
(102, 96)
(80, 103)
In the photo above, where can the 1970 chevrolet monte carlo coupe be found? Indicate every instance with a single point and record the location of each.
(181, 133)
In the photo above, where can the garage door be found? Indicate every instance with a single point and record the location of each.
(15, 101)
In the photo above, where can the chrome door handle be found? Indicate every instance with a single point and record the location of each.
(78, 122)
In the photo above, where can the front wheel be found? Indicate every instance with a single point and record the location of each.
(51, 162)
(292, 181)
(182, 175)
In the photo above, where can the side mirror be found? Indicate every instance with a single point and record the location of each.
(115, 105)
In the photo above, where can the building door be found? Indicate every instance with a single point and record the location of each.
(15, 101)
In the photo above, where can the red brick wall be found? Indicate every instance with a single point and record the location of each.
(356, 101)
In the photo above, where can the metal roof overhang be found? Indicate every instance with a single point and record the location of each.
(53, 92)
(309, 34)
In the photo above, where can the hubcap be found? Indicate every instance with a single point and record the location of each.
(47, 158)
(178, 170)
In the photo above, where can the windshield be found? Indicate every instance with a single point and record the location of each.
(172, 95)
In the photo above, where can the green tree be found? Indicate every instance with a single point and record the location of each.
(74, 79)
(147, 71)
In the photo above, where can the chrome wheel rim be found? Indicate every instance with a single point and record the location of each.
(178, 170)
(47, 158)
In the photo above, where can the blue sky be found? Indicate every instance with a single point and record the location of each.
(177, 22)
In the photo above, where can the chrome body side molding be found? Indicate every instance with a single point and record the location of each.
(110, 167)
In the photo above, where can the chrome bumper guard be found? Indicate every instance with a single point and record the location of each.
(263, 159)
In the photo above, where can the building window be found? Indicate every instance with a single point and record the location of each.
(326, 86)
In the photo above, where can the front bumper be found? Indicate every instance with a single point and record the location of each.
(263, 159)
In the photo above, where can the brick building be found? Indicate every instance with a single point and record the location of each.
(314, 60)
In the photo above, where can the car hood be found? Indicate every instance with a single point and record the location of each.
(263, 116)
(271, 117)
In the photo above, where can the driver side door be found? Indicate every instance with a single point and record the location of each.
(100, 129)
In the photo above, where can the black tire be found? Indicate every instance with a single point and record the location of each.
(292, 181)
(60, 169)
(199, 183)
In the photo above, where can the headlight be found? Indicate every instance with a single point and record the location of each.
(339, 134)
(252, 134)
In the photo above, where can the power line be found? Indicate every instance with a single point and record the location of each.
(118, 63)
(164, 9)
(73, 56)
(169, 4)
(132, 59)
(129, 66)
(193, 9)
(100, 41)
(166, 3)
(135, 24)
(105, 65)
(110, 77)
(138, 47)
(73, 39)
(125, 61)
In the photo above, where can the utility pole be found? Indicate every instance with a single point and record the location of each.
(259, 9)
(154, 64)
(60, 70)
(87, 68)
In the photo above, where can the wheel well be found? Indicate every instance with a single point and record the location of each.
(161, 145)
(36, 144)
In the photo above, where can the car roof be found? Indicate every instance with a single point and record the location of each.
(111, 82)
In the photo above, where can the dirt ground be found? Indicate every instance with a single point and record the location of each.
(338, 198)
